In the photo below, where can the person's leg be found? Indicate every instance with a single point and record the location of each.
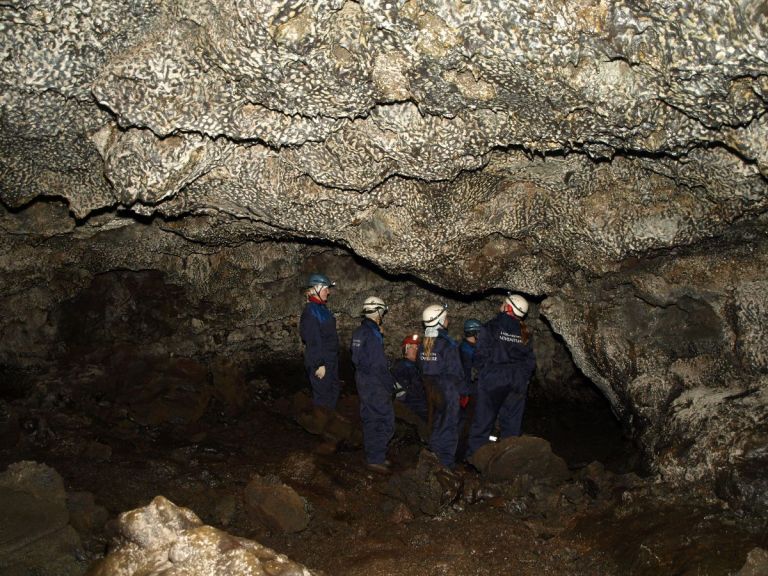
(377, 418)
(445, 432)
(325, 391)
(490, 396)
(513, 408)
(466, 417)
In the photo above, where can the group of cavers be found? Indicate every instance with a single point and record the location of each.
(467, 392)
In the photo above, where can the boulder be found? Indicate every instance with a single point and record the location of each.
(277, 506)
(514, 457)
(756, 564)
(35, 535)
(428, 488)
(163, 537)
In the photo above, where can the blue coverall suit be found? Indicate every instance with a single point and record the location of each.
(505, 366)
(408, 375)
(375, 386)
(443, 373)
(467, 351)
(321, 348)
(468, 388)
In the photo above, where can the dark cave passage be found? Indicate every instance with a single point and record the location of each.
(583, 434)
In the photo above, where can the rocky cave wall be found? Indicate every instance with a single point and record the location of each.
(139, 289)
(606, 158)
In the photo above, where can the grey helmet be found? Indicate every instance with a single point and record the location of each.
(472, 326)
(319, 280)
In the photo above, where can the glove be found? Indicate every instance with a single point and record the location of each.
(400, 392)
(463, 400)
(320, 372)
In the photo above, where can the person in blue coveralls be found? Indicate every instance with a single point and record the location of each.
(407, 376)
(468, 390)
(375, 385)
(442, 374)
(505, 363)
(317, 328)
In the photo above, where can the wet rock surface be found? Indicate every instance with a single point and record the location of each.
(277, 506)
(428, 488)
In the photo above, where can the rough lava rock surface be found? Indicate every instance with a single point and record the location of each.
(162, 538)
(610, 159)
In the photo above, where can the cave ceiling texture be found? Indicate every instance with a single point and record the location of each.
(609, 159)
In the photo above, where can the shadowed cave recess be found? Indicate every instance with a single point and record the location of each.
(171, 172)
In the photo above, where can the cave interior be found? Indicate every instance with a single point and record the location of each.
(172, 172)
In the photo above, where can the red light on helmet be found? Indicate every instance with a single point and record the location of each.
(410, 340)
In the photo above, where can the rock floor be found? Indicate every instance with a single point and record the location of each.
(599, 524)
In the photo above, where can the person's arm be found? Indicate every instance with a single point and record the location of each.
(313, 341)
(360, 353)
(399, 371)
(389, 377)
(457, 366)
(483, 348)
(400, 382)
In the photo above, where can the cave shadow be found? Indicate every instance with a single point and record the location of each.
(582, 428)
(583, 433)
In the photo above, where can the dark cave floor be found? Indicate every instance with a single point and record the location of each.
(606, 521)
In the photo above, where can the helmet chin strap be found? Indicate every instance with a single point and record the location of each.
(378, 313)
(317, 292)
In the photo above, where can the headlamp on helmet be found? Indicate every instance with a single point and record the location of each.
(410, 340)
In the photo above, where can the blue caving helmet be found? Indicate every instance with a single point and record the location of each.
(319, 280)
(472, 326)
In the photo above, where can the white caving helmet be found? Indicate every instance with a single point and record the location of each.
(374, 306)
(518, 303)
(435, 315)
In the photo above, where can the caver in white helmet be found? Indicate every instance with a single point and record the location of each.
(518, 304)
(374, 306)
(435, 315)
